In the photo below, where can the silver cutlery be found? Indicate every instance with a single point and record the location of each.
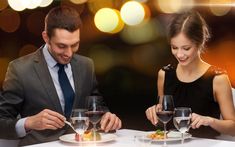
(68, 123)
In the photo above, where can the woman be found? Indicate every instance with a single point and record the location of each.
(194, 83)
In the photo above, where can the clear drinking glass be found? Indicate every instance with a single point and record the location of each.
(182, 120)
(165, 109)
(80, 121)
(96, 109)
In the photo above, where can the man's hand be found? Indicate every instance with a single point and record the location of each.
(110, 121)
(46, 119)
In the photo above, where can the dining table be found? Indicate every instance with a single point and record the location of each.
(125, 138)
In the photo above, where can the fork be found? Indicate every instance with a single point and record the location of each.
(68, 123)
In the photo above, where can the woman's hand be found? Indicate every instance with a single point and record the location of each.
(199, 120)
(151, 113)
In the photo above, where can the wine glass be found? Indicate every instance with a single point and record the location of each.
(80, 122)
(96, 109)
(165, 109)
(182, 120)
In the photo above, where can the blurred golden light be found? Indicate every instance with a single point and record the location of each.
(45, 3)
(164, 5)
(142, 1)
(34, 4)
(220, 7)
(108, 20)
(224, 51)
(120, 24)
(78, 1)
(174, 6)
(3, 4)
(25, 3)
(147, 11)
(103, 57)
(132, 13)
(95, 5)
(143, 33)
(35, 23)
(9, 20)
(187, 5)
(79, 8)
(3, 64)
(20, 5)
(17, 5)
(144, 58)
(27, 49)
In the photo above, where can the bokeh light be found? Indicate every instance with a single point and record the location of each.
(103, 56)
(147, 11)
(173, 6)
(145, 32)
(132, 13)
(79, 7)
(33, 4)
(95, 5)
(27, 49)
(144, 58)
(108, 20)
(35, 23)
(220, 7)
(142, 1)
(3, 4)
(16, 5)
(78, 1)
(25, 3)
(221, 54)
(45, 3)
(3, 64)
(9, 20)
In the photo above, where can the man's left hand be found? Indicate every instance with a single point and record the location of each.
(110, 121)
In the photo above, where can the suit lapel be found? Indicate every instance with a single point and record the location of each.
(47, 82)
(76, 69)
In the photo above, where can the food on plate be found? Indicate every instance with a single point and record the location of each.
(78, 137)
(88, 136)
(158, 134)
(91, 136)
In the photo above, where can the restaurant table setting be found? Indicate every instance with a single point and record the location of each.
(165, 111)
(127, 138)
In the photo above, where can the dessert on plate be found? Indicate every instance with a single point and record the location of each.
(88, 136)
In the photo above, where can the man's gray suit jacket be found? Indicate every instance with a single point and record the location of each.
(28, 89)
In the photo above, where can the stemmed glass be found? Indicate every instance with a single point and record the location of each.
(79, 121)
(165, 109)
(96, 109)
(182, 120)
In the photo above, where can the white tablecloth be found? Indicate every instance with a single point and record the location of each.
(126, 139)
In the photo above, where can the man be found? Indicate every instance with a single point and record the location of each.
(33, 87)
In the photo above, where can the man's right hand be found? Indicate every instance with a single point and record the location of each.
(46, 119)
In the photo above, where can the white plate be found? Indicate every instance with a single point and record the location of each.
(70, 138)
(173, 136)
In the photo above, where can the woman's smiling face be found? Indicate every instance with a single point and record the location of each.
(184, 50)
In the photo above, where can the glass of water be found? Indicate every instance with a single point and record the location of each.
(80, 121)
(182, 120)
